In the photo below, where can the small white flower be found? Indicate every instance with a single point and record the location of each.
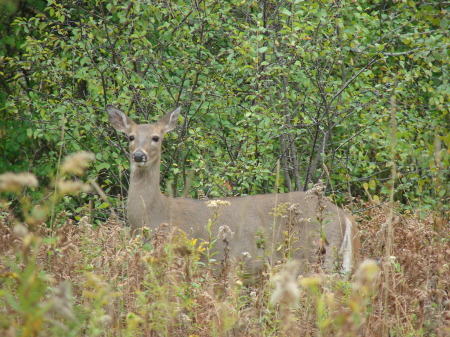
(211, 203)
(217, 203)
(223, 203)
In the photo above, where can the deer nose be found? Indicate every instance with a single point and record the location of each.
(139, 157)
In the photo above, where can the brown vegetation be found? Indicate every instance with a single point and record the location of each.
(102, 281)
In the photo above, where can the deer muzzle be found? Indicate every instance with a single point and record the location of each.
(139, 157)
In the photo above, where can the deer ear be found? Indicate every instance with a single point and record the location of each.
(169, 120)
(119, 120)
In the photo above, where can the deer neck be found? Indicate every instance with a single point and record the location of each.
(145, 182)
(146, 204)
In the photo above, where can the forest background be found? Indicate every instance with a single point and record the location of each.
(308, 84)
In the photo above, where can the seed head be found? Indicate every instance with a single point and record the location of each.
(286, 290)
(77, 163)
(14, 182)
(20, 231)
(225, 233)
(72, 187)
(366, 275)
(318, 189)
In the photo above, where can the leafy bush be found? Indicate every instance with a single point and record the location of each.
(307, 84)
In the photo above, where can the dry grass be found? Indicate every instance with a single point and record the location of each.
(420, 285)
(104, 282)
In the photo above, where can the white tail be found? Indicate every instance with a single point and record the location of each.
(313, 220)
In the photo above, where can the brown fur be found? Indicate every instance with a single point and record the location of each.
(246, 216)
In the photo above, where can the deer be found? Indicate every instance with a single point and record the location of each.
(318, 226)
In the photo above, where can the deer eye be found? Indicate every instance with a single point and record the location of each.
(155, 139)
(131, 138)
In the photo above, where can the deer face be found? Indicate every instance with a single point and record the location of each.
(145, 144)
(144, 139)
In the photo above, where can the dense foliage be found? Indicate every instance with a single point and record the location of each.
(308, 84)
